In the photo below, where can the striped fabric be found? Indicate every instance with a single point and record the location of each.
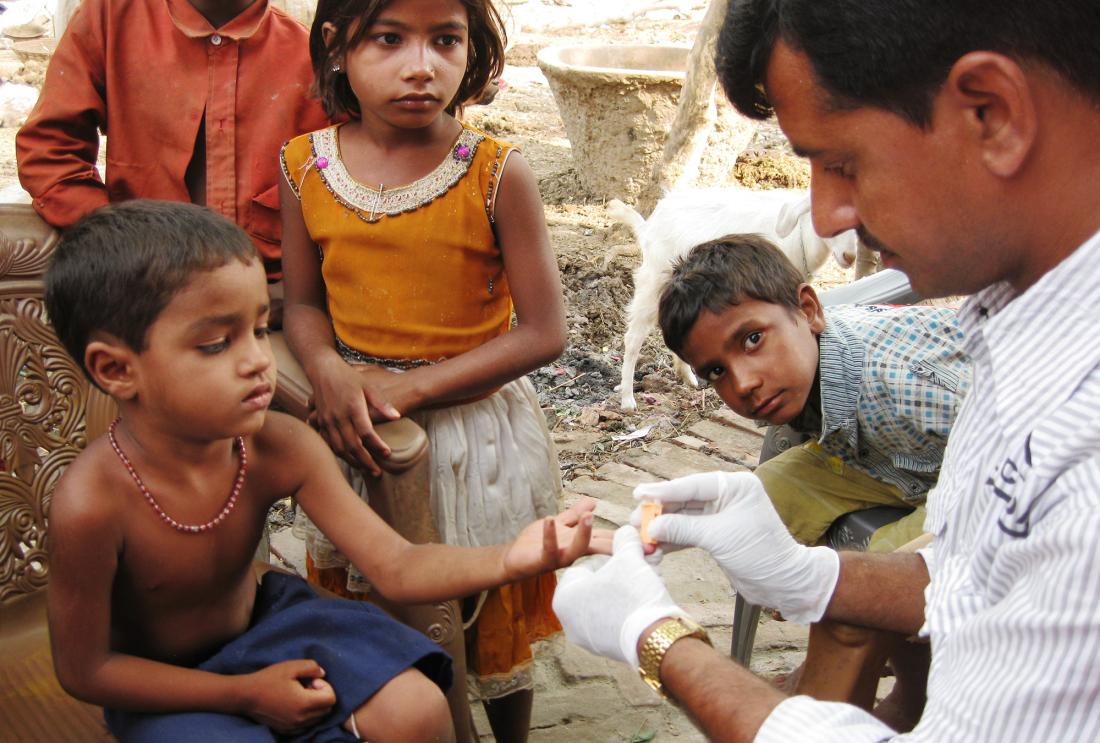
(891, 382)
(1013, 607)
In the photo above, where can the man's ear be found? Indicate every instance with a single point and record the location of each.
(810, 308)
(110, 362)
(998, 106)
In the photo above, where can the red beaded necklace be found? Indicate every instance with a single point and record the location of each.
(231, 501)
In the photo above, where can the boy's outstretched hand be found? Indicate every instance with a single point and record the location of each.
(552, 543)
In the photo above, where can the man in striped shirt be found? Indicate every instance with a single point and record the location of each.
(962, 139)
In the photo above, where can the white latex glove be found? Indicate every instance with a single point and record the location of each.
(728, 514)
(605, 603)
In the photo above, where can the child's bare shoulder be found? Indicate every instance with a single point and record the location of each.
(88, 497)
(284, 445)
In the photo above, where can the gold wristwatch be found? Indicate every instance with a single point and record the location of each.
(657, 644)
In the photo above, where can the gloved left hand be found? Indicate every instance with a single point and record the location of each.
(729, 515)
(605, 604)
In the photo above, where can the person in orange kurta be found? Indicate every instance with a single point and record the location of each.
(195, 98)
(408, 241)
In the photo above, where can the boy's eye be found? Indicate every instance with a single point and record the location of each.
(712, 374)
(752, 340)
(450, 40)
(263, 332)
(389, 38)
(216, 347)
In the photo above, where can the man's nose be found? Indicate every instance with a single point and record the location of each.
(831, 205)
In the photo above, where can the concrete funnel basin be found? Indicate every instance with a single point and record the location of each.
(617, 104)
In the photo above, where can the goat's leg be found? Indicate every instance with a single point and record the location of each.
(684, 371)
(635, 336)
(626, 380)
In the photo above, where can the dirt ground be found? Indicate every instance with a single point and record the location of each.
(577, 390)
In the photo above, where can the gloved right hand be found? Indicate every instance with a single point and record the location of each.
(605, 604)
(729, 515)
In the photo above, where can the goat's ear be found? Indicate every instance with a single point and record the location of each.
(789, 216)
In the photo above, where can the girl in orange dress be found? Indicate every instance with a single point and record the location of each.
(409, 240)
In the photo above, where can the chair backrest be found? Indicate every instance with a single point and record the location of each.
(48, 409)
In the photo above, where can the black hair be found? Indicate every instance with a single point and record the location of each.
(353, 19)
(896, 54)
(722, 273)
(118, 267)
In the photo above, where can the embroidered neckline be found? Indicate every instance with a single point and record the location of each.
(370, 204)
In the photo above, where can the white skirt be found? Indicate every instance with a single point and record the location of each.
(493, 470)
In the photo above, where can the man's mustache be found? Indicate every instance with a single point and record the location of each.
(870, 240)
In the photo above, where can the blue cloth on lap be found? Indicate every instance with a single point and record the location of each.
(360, 647)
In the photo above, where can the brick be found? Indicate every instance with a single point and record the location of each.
(690, 442)
(730, 418)
(623, 474)
(730, 442)
(669, 461)
(605, 490)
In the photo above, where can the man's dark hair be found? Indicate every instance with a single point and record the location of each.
(719, 274)
(896, 54)
(117, 268)
(353, 19)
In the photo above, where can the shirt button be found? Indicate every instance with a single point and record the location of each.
(216, 40)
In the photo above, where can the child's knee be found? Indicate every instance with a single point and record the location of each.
(410, 707)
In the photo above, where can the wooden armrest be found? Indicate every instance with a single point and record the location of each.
(407, 440)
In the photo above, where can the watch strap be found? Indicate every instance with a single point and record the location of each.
(656, 645)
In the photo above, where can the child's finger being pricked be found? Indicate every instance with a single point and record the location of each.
(572, 515)
(578, 546)
(601, 541)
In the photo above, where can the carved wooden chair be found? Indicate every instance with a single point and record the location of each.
(411, 517)
(48, 413)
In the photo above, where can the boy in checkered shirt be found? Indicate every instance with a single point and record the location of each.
(875, 388)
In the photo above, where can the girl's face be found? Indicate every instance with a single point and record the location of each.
(411, 62)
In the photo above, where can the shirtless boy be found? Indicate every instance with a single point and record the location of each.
(156, 610)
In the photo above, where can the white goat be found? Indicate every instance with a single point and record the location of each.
(684, 219)
(16, 101)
